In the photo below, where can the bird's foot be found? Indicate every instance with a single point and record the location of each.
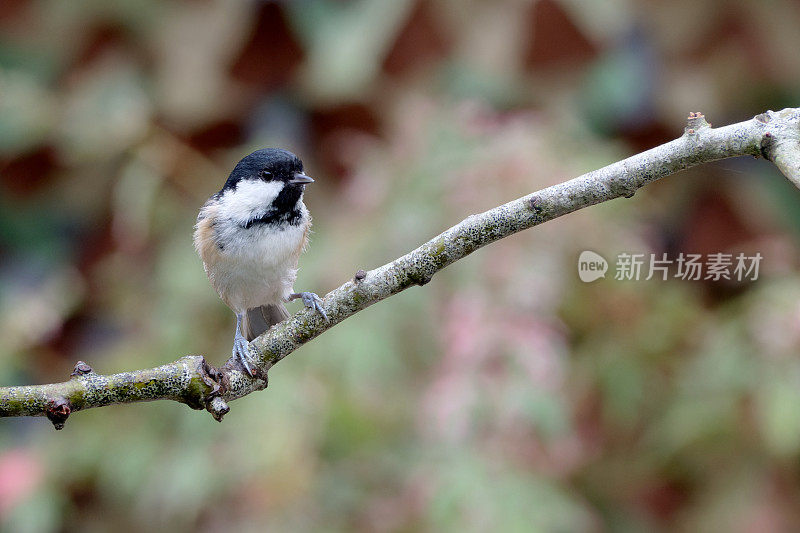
(310, 300)
(241, 350)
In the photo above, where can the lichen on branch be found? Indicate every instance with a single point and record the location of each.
(190, 380)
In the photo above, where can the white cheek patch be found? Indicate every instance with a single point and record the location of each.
(250, 199)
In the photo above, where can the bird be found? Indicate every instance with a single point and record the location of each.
(249, 236)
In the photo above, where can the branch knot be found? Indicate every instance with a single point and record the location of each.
(58, 410)
(695, 121)
(81, 369)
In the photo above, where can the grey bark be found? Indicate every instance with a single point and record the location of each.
(774, 136)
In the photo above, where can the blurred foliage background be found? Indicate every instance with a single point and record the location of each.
(505, 395)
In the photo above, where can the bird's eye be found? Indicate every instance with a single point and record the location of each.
(266, 174)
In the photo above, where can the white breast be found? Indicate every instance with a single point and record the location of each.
(257, 265)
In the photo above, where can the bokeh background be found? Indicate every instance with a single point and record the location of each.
(506, 394)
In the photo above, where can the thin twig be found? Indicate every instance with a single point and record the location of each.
(773, 135)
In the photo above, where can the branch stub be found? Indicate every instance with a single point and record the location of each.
(81, 369)
(58, 411)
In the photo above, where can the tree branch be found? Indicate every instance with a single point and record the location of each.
(772, 135)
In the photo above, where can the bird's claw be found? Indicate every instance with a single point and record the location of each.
(241, 350)
(311, 301)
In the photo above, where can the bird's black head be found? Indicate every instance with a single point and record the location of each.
(265, 188)
(269, 164)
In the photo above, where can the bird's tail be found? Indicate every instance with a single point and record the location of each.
(259, 319)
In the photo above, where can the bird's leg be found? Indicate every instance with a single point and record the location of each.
(241, 348)
(310, 300)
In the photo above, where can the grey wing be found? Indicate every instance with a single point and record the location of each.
(257, 320)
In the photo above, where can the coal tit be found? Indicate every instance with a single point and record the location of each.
(250, 235)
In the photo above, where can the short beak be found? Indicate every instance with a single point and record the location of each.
(301, 178)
